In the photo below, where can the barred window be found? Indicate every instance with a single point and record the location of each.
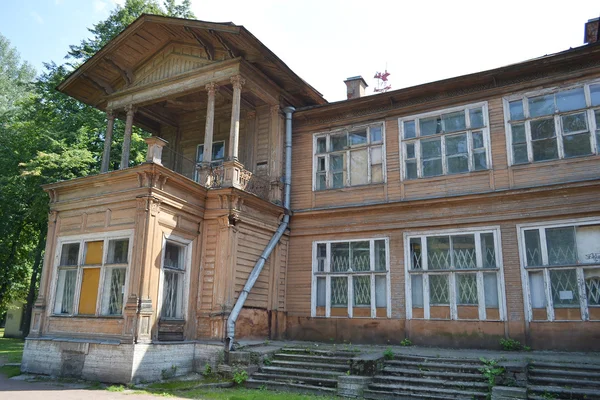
(562, 263)
(446, 142)
(349, 157)
(454, 275)
(91, 275)
(351, 279)
(553, 124)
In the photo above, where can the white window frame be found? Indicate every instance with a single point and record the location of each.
(347, 152)
(418, 138)
(201, 145)
(451, 272)
(545, 269)
(187, 246)
(328, 275)
(589, 110)
(104, 267)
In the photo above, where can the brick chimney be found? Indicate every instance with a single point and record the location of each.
(592, 31)
(355, 87)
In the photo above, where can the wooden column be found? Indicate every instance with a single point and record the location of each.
(211, 90)
(127, 137)
(107, 140)
(234, 132)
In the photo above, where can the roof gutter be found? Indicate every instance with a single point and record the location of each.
(239, 304)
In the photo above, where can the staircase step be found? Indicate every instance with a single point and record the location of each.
(423, 390)
(569, 393)
(301, 380)
(540, 380)
(300, 372)
(449, 360)
(289, 387)
(431, 382)
(322, 352)
(310, 365)
(429, 365)
(401, 395)
(534, 372)
(441, 374)
(569, 366)
(315, 358)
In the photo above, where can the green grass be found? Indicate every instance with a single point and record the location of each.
(11, 350)
(10, 371)
(177, 385)
(246, 394)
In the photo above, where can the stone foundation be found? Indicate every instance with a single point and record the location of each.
(117, 363)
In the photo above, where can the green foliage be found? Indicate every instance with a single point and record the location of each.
(491, 370)
(388, 354)
(513, 345)
(406, 342)
(240, 376)
(15, 77)
(169, 372)
(207, 370)
(116, 388)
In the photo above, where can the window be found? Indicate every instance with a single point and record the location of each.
(349, 157)
(454, 275)
(561, 263)
(174, 263)
(91, 274)
(446, 142)
(351, 279)
(553, 124)
(218, 152)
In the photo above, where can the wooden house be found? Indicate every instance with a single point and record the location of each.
(453, 213)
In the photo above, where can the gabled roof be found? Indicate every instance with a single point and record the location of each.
(113, 67)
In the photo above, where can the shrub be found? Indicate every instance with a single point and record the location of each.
(240, 376)
(513, 345)
(388, 354)
(207, 370)
(406, 342)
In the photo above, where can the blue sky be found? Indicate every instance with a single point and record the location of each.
(326, 41)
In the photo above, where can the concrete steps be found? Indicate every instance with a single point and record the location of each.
(563, 381)
(302, 371)
(419, 377)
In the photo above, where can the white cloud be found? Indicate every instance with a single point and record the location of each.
(36, 17)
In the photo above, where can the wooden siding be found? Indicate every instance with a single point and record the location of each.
(500, 177)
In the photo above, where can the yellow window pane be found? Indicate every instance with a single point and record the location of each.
(93, 252)
(89, 291)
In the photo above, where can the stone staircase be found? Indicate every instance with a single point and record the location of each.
(419, 377)
(563, 381)
(302, 370)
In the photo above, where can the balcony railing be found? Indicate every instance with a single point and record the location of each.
(213, 176)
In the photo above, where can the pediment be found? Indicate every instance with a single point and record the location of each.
(174, 59)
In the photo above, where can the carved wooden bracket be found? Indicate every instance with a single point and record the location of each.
(152, 179)
(53, 195)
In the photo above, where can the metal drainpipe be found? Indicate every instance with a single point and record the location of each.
(239, 304)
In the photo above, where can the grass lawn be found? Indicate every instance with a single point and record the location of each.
(11, 350)
(226, 394)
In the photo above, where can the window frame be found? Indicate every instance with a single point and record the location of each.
(220, 160)
(347, 151)
(559, 134)
(106, 237)
(328, 275)
(187, 261)
(416, 141)
(453, 272)
(545, 269)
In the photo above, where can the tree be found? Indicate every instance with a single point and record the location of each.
(15, 75)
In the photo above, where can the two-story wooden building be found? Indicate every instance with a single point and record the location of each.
(453, 213)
